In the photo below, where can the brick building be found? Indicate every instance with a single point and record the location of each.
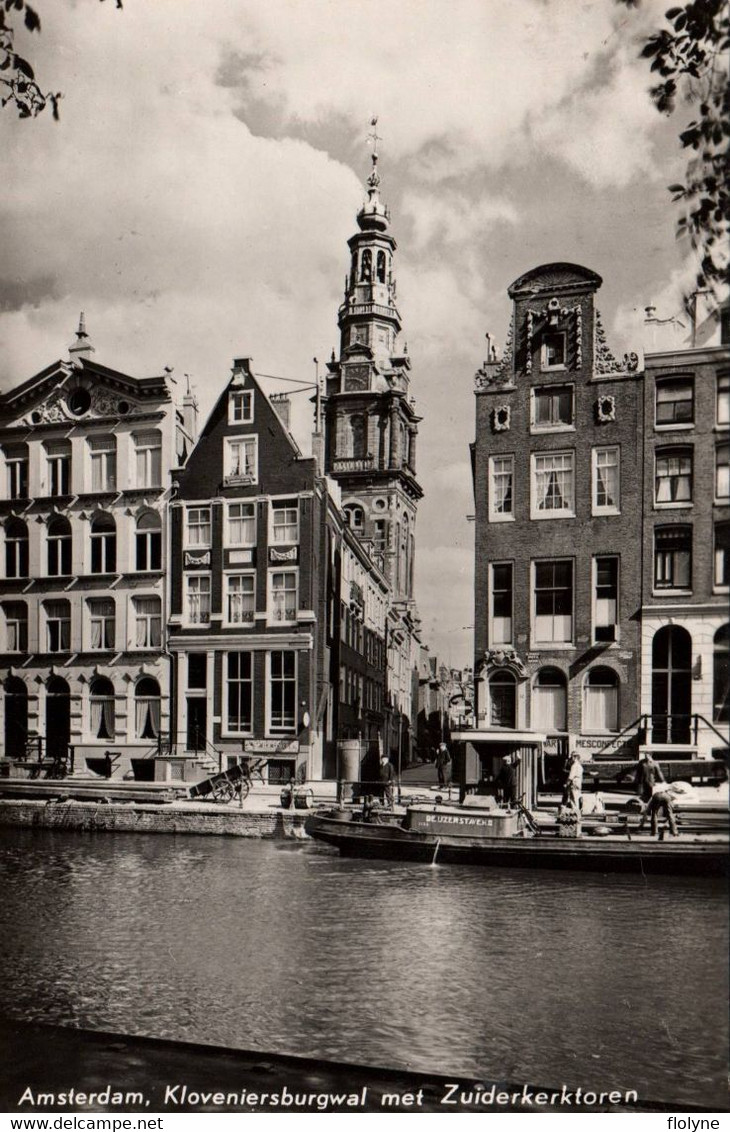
(686, 544)
(274, 605)
(602, 536)
(86, 454)
(557, 483)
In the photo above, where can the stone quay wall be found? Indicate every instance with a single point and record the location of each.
(110, 818)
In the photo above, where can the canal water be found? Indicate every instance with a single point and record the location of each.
(540, 977)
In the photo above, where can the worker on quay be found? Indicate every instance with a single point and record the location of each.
(443, 765)
(660, 805)
(648, 774)
(573, 792)
(387, 777)
(506, 780)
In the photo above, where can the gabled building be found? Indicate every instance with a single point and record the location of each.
(85, 460)
(557, 465)
(371, 427)
(274, 604)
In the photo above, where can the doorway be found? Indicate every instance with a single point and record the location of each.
(58, 719)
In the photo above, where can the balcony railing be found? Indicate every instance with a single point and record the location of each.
(354, 464)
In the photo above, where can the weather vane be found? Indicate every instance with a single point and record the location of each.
(374, 136)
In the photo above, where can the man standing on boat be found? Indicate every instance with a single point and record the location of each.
(506, 780)
(387, 776)
(574, 783)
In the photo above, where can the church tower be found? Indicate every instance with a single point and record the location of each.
(370, 419)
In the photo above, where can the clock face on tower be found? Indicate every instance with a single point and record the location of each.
(357, 377)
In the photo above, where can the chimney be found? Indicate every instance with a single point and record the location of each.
(282, 405)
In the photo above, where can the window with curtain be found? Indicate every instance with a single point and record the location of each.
(600, 700)
(147, 708)
(101, 622)
(197, 526)
(16, 549)
(675, 401)
(103, 454)
(673, 558)
(284, 522)
(16, 464)
(101, 708)
(148, 622)
(722, 555)
(284, 595)
(16, 626)
(58, 625)
(240, 598)
(148, 458)
(549, 701)
(241, 524)
(241, 458)
(722, 472)
(197, 598)
(58, 467)
(673, 476)
(605, 480)
(501, 484)
(553, 601)
(553, 484)
(723, 399)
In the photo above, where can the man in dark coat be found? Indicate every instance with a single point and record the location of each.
(387, 777)
(648, 773)
(506, 780)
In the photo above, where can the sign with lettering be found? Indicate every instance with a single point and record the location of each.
(197, 558)
(291, 554)
(271, 746)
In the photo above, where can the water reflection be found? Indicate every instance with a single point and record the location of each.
(543, 977)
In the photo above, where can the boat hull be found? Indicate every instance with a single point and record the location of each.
(699, 857)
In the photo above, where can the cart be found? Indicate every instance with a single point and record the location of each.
(229, 784)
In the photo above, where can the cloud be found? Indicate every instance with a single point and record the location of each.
(452, 217)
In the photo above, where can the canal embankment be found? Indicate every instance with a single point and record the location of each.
(57, 1069)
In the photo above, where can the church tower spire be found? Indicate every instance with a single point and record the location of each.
(370, 419)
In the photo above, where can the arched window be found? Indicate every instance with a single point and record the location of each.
(103, 544)
(549, 701)
(380, 270)
(148, 542)
(600, 700)
(502, 699)
(147, 708)
(355, 517)
(671, 685)
(366, 266)
(16, 549)
(59, 547)
(101, 703)
(721, 676)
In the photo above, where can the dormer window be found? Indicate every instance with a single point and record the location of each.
(553, 353)
(240, 406)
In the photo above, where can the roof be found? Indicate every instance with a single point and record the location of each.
(554, 277)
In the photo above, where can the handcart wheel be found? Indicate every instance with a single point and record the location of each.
(225, 792)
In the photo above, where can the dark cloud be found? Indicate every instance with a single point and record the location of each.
(31, 292)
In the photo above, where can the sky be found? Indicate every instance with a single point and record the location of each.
(196, 197)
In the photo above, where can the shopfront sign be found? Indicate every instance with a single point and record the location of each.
(271, 746)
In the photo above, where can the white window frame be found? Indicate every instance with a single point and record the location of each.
(595, 599)
(563, 512)
(60, 621)
(15, 463)
(228, 577)
(136, 615)
(718, 586)
(663, 382)
(271, 728)
(226, 730)
(721, 499)
(276, 538)
(145, 537)
(103, 619)
(675, 453)
(188, 593)
(559, 426)
(230, 541)
(289, 572)
(586, 692)
(232, 467)
(495, 516)
(54, 464)
(16, 623)
(539, 642)
(106, 457)
(245, 415)
(493, 640)
(722, 400)
(196, 543)
(605, 508)
(146, 444)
